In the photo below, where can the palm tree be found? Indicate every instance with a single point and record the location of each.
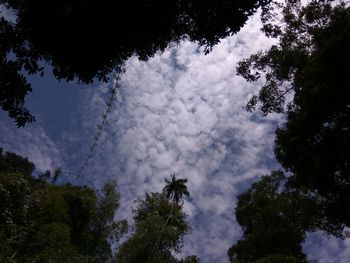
(175, 189)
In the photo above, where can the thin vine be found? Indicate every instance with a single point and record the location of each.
(100, 127)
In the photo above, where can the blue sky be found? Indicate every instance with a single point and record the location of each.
(179, 112)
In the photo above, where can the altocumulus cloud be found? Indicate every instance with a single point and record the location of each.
(182, 112)
(179, 112)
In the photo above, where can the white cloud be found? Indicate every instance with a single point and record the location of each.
(32, 142)
(179, 112)
(182, 112)
(327, 249)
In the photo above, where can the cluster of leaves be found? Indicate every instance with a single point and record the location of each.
(310, 60)
(314, 144)
(160, 225)
(309, 65)
(286, 65)
(85, 40)
(43, 222)
(274, 218)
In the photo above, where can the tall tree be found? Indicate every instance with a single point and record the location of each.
(85, 40)
(175, 189)
(156, 236)
(275, 219)
(42, 222)
(310, 62)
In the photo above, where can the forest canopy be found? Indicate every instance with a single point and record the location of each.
(44, 222)
(41, 221)
(305, 75)
(85, 40)
(310, 62)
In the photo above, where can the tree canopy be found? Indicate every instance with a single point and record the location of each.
(309, 62)
(308, 65)
(86, 40)
(159, 228)
(275, 218)
(274, 222)
(42, 222)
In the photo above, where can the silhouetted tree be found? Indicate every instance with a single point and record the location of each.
(85, 40)
(175, 189)
(310, 60)
(274, 219)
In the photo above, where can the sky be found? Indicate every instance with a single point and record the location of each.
(180, 112)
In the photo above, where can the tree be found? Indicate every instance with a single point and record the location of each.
(42, 222)
(274, 219)
(156, 236)
(313, 145)
(85, 40)
(175, 189)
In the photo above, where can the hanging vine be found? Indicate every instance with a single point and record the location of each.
(100, 127)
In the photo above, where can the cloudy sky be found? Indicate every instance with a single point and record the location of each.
(179, 112)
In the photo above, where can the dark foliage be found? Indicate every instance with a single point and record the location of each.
(42, 222)
(84, 40)
(315, 142)
(311, 61)
(175, 189)
(275, 219)
(11, 162)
